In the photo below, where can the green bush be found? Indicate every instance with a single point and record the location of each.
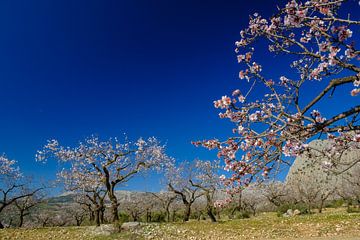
(179, 216)
(158, 217)
(353, 210)
(196, 215)
(123, 217)
(242, 215)
(335, 203)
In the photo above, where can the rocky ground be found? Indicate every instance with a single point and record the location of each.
(330, 225)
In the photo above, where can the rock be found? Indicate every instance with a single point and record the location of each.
(296, 212)
(130, 226)
(290, 212)
(105, 229)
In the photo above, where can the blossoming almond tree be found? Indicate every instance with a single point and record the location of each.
(314, 39)
(110, 162)
(179, 182)
(88, 185)
(206, 178)
(12, 188)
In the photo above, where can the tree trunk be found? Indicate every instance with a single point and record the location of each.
(321, 206)
(173, 215)
(168, 215)
(114, 208)
(102, 214)
(209, 207)
(211, 214)
(97, 217)
(1, 225)
(21, 222)
(91, 216)
(78, 222)
(44, 223)
(187, 212)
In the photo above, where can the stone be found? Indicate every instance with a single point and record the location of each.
(296, 212)
(285, 215)
(130, 226)
(105, 230)
(290, 212)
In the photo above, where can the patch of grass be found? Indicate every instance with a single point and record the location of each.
(332, 224)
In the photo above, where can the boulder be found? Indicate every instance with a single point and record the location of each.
(105, 230)
(290, 212)
(130, 226)
(296, 212)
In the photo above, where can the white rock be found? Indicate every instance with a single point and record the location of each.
(130, 226)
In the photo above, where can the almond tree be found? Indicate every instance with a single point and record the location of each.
(136, 207)
(276, 116)
(165, 199)
(88, 185)
(206, 178)
(12, 186)
(179, 183)
(25, 204)
(275, 192)
(113, 162)
(97, 199)
(349, 187)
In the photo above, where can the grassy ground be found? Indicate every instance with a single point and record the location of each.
(333, 225)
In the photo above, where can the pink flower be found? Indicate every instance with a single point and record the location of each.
(355, 92)
(224, 102)
(236, 92)
(357, 83)
(241, 75)
(350, 53)
(241, 99)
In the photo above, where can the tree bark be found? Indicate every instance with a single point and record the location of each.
(187, 212)
(110, 187)
(114, 205)
(174, 216)
(21, 222)
(211, 214)
(91, 216)
(168, 215)
(97, 217)
(209, 207)
(102, 214)
(321, 206)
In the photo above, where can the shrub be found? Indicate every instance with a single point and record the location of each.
(179, 216)
(242, 215)
(123, 217)
(335, 203)
(353, 210)
(158, 217)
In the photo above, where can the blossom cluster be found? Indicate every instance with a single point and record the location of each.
(267, 128)
(93, 161)
(8, 168)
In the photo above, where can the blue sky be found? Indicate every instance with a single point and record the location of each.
(69, 69)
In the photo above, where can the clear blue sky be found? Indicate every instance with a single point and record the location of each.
(69, 69)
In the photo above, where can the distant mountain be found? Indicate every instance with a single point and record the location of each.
(316, 170)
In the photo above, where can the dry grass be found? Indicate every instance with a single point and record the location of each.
(333, 225)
